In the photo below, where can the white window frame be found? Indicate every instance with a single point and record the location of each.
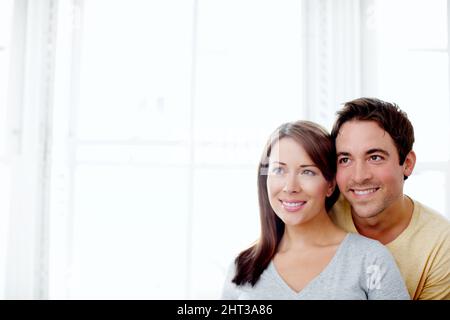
(28, 117)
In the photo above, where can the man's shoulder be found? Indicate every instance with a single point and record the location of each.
(431, 222)
(430, 216)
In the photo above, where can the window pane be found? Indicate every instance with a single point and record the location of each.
(226, 221)
(145, 154)
(418, 82)
(135, 69)
(231, 152)
(248, 71)
(434, 194)
(125, 223)
(413, 23)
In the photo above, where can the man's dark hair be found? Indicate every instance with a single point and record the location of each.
(387, 115)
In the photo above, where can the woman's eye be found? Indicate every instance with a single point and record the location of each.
(277, 170)
(308, 173)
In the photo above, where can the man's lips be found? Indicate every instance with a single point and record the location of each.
(364, 191)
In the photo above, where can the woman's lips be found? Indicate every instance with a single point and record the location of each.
(292, 205)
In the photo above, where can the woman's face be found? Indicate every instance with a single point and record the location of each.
(295, 185)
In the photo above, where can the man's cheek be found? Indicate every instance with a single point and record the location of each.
(341, 180)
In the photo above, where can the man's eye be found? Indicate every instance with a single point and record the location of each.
(376, 158)
(343, 160)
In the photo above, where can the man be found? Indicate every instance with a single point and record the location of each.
(374, 142)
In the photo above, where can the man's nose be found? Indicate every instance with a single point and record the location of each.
(361, 173)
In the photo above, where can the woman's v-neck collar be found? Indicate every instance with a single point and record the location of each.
(298, 294)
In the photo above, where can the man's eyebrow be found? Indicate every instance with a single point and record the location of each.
(370, 151)
(343, 154)
(377, 150)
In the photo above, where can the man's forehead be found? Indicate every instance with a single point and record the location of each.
(356, 124)
(363, 136)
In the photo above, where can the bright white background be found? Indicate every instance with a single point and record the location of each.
(130, 131)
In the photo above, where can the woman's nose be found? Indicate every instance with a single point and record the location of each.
(292, 184)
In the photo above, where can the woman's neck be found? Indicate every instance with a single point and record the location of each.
(318, 232)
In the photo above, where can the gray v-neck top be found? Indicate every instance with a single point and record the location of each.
(361, 269)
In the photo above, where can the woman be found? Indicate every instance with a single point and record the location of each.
(301, 254)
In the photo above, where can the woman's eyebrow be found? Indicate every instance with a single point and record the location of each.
(282, 163)
(300, 166)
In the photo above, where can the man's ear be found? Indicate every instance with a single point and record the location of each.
(331, 187)
(410, 162)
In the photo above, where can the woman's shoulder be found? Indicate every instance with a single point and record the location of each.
(362, 245)
(362, 253)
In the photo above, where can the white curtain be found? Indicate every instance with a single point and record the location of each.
(332, 47)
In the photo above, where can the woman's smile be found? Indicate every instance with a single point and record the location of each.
(292, 205)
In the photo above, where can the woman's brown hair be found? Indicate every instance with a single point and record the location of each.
(318, 144)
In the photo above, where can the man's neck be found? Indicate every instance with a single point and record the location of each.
(388, 224)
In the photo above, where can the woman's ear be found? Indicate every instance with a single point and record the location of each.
(331, 187)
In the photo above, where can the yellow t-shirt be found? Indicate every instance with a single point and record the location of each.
(422, 250)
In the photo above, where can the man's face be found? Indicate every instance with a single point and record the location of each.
(368, 170)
